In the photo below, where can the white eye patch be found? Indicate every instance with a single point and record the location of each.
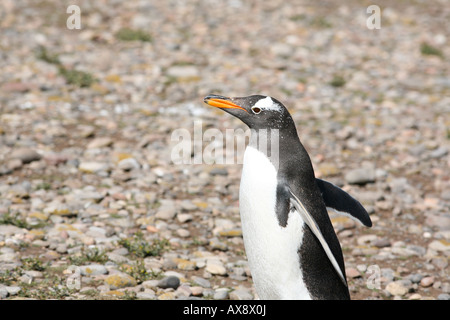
(267, 104)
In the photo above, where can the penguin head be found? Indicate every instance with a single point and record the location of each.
(256, 111)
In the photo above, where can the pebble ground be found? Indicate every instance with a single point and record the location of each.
(92, 205)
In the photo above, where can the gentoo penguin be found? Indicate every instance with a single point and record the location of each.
(292, 249)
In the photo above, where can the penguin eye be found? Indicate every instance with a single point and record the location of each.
(256, 110)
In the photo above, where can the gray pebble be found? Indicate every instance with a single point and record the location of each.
(241, 294)
(201, 282)
(360, 176)
(415, 278)
(13, 290)
(3, 292)
(25, 155)
(169, 282)
(221, 294)
(93, 269)
(439, 152)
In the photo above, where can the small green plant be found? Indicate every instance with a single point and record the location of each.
(8, 277)
(14, 220)
(43, 54)
(44, 186)
(139, 272)
(88, 255)
(142, 248)
(127, 34)
(321, 22)
(129, 295)
(79, 78)
(429, 50)
(33, 264)
(337, 81)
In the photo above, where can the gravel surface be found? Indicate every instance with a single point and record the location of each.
(92, 205)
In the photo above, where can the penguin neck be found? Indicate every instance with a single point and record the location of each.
(276, 143)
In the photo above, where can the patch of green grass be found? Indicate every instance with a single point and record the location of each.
(32, 264)
(129, 295)
(138, 246)
(8, 277)
(428, 50)
(44, 186)
(43, 54)
(88, 255)
(14, 220)
(321, 22)
(298, 17)
(53, 289)
(127, 34)
(139, 272)
(79, 78)
(337, 81)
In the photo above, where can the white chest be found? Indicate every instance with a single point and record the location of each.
(272, 250)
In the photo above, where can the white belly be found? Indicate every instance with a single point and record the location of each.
(272, 250)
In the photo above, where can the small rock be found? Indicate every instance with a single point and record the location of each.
(201, 282)
(183, 233)
(352, 273)
(187, 205)
(215, 267)
(146, 295)
(366, 239)
(167, 211)
(427, 282)
(93, 269)
(382, 243)
(169, 282)
(328, 169)
(8, 230)
(150, 284)
(219, 172)
(231, 233)
(439, 152)
(183, 72)
(444, 296)
(184, 217)
(61, 248)
(415, 296)
(3, 293)
(13, 290)
(439, 245)
(167, 296)
(360, 176)
(186, 265)
(216, 244)
(25, 155)
(440, 221)
(197, 291)
(184, 291)
(120, 280)
(396, 288)
(415, 278)
(100, 143)
(128, 164)
(241, 294)
(221, 294)
(14, 164)
(92, 167)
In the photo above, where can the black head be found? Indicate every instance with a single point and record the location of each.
(258, 112)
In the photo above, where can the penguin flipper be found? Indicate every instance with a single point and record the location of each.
(343, 203)
(311, 223)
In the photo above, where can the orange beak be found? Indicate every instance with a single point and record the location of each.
(221, 102)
